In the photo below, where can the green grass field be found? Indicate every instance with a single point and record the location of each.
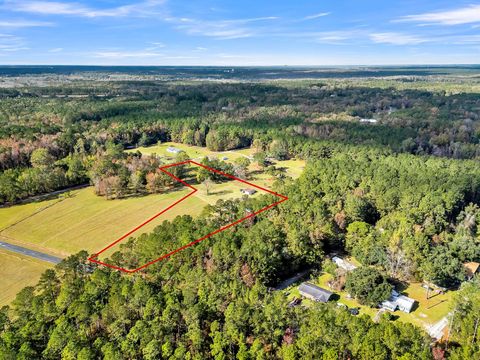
(85, 221)
(18, 271)
(194, 152)
(292, 167)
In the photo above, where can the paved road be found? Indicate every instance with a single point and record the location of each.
(32, 253)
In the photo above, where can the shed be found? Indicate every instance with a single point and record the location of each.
(314, 292)
(248, 191)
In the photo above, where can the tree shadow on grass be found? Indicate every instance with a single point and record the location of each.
(220, 192)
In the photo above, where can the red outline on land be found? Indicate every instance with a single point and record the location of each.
(283, 198)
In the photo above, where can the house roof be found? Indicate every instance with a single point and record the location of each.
(471, 267)
(405, 302)
(402, 301)
(315, 291)
(173, 149)
(344, 264)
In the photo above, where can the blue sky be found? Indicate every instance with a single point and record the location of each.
(241, 32)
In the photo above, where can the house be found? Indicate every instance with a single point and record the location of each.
(248, 191)
(369, 121)
(314, 292)
(173, 150)
(400, 302)
(343, 264)
(471, 268)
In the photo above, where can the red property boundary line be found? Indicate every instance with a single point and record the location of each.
(94, 258)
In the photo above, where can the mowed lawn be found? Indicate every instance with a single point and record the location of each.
(18, 271)
(193, 152)
(292, 167)
(85, 221)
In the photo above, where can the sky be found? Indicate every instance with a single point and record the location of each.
(240, 33)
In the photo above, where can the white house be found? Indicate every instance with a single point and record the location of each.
(173, 150)
(400, 302)
(369, 121)
(343, 264)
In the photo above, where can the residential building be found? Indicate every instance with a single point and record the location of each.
(314, 292)
(343, 264)
(400, 302)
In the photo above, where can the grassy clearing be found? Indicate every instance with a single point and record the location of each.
(292, 167)
(89, 222)
(84, 221)
(194, 152)
(18, 271)
(14, 214)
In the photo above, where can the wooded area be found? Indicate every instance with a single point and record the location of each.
(401, 195)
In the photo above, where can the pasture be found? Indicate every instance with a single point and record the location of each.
(18, 271)
(85, 221)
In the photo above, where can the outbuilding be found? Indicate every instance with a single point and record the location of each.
(314, 292)
(248, 191)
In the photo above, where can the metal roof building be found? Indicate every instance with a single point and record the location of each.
(314, 292)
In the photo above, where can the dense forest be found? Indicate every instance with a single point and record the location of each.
(401, 194)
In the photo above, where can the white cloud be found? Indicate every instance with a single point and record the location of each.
(23, 23)
(55, 50)
(144, 8)
(155, 46)
(125, 54)
(336, 37)
(394, 38)
(465, 15)
(316, 16)
(11, 43)
(220, 29)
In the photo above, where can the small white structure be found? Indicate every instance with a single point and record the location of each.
(248, 191)
(173, 150)
(369, 121)
(343, 264)
(400, 302)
